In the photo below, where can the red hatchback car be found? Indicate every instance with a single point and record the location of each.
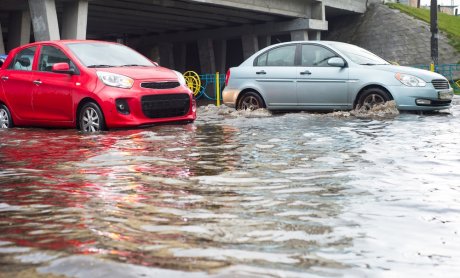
(90, 85)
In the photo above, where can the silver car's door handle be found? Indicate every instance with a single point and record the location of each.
(306, 72)
(261, 72)
(37, 82)
(5, 78)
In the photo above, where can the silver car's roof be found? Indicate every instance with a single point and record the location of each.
(249, 61)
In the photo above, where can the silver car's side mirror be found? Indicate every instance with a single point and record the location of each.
(336, 62)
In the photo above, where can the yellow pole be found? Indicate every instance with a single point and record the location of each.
(217, 89)
(432, 67)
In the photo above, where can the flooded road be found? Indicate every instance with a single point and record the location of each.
(236, 195)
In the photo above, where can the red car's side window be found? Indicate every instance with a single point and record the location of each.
(50, 55)
(23, 59)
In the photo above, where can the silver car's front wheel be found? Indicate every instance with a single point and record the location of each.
(91, 118)
(372, 97)
(250, 101)
(5, 117)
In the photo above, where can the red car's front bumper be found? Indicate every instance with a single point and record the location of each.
(139, 106)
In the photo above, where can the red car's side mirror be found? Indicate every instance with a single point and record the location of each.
(62, 68)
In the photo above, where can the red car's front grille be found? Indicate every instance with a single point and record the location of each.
(160, 85)
(165, 106)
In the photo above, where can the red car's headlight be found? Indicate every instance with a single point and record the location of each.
(115, 80)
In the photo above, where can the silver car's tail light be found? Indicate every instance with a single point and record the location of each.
(227, 77)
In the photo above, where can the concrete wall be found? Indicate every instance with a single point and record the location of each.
(392, 35)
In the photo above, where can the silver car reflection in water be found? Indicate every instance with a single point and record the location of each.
(326, 75)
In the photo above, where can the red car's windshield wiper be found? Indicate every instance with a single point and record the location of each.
(100, 66)
(133, 65)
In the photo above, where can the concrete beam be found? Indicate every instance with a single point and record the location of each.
(357, 6)
(44, 20)
(291, 8)
(176, 10)
(318, 11)
(14, 5)
(229, 32)
(75, 18)
(196, 22)
(2, 44)
(18, 29)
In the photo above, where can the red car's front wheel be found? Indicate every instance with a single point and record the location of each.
(5, 117)
(91, 118)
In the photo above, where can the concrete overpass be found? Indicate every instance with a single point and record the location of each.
(204, 35)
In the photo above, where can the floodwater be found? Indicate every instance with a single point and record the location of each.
(236, 194)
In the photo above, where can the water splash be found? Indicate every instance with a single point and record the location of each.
(227, 112)
(385, 110)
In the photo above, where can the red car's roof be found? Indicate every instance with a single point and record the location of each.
(64, 42)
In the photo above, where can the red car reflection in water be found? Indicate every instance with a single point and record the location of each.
(90, 85)
(84, 193)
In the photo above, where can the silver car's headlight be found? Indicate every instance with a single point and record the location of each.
(180, 77)
(115, 80)
(410, 80)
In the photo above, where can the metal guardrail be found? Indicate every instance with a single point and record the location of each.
(201, 85)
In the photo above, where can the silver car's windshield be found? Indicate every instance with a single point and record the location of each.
(360, 55)
(104, 55)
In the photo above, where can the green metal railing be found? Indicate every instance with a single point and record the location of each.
(450, 71)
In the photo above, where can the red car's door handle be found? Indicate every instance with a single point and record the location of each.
(5, 78)
(37, 82)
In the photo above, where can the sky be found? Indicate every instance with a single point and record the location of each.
(441, 2)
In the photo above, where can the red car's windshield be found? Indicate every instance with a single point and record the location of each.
(99, 55)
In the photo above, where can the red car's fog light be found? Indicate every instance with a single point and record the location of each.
(122, 106)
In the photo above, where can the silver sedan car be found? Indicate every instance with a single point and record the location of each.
(327, 75)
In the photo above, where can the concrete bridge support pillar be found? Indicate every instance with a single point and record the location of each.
(18, 29)
(314, 35)
(75, 18)
(180, 55)
(2, 44)
(300, 35)
(44, 20)
(250, 45)
(220, 47)
(207, 57)
(166, 55)
(265, 41)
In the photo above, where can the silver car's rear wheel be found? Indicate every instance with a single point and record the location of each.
(5, 117)
(250, 101)
(372, 97)
(91, 118)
